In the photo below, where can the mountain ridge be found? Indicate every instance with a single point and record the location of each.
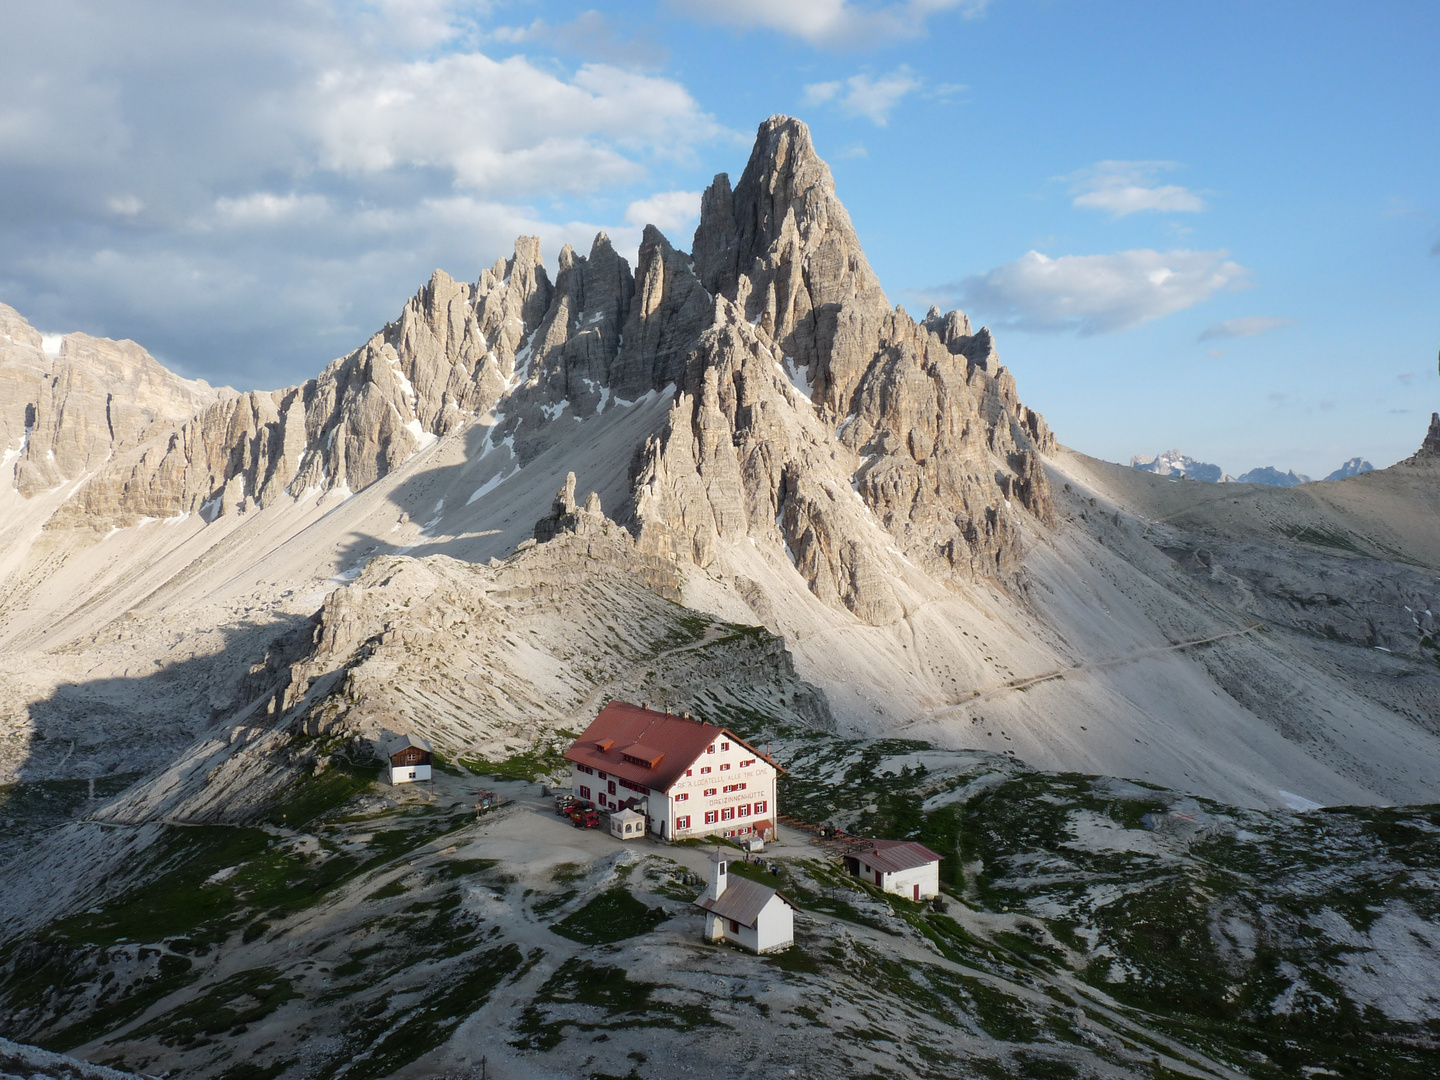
(867, 486)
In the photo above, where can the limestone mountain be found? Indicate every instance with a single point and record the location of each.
(756, 415)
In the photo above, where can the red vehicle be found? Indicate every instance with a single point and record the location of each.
(564, 804)
(584, 817)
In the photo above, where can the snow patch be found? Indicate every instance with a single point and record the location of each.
(50, 344)
(1298, 802)
(11, 455)
(423, 438)
(799, 378)
(491, 484)
(552, 412)
(435, 516)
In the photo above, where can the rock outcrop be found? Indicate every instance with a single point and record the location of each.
(1429, 451)
(68, 409)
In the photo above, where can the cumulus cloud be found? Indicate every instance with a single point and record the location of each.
(672, 212)
(832, 23)
(1128, 187)
(1249, 326)
(864, 95)
(555, 134)
(1096, 294)
(251, 190)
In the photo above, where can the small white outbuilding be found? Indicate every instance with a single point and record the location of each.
(745, 912)
(627, 824)
(902, 867)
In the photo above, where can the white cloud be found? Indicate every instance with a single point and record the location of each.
(264, 208)
(865, 96)
(672, 212)
(831, 23)
(1128, 187)
(124, 205)
(554, 134)
(1097, 294)
(1246, 327)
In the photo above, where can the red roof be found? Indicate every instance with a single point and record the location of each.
(645, 747)
(893, 855)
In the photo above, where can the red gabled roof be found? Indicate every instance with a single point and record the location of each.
(669, 743)
(893, 855)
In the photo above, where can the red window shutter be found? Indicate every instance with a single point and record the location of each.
(878, 879)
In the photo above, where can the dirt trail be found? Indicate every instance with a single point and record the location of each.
(1060, 673)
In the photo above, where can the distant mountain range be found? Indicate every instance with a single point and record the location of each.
(1174, 464)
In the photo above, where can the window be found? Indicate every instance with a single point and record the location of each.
(724, 746)
(682, 796)
(729, 788)
(601, 775)
(747, 763)
(412, 774)
(689, 772)
(734, 927)
(711, 817)
(725, 766)
(586, 769)
(710, 749)
(584, 792)
(741, 787)
(682, 822)
(709, 791)
(704, 769)
(728, 814)
(743, 811)
(761, 807)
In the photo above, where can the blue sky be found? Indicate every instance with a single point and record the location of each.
(1213, 227)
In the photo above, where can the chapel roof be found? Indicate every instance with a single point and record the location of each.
(742, 901)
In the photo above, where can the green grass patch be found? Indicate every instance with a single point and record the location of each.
(614, 915)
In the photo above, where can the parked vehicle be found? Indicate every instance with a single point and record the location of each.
(584, 817)
(564, 804)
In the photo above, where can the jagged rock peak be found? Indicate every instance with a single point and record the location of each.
(1429, 449)
(566, 517)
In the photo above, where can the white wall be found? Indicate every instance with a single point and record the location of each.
(776, 926)
(903, 882)
(759, 779)
(401, 774)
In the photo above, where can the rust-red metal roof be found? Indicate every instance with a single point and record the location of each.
(671, 742)
(890, 856)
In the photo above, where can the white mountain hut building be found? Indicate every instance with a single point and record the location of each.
(409, 759)
(744, 912)
(902, 867)
(688, 778)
